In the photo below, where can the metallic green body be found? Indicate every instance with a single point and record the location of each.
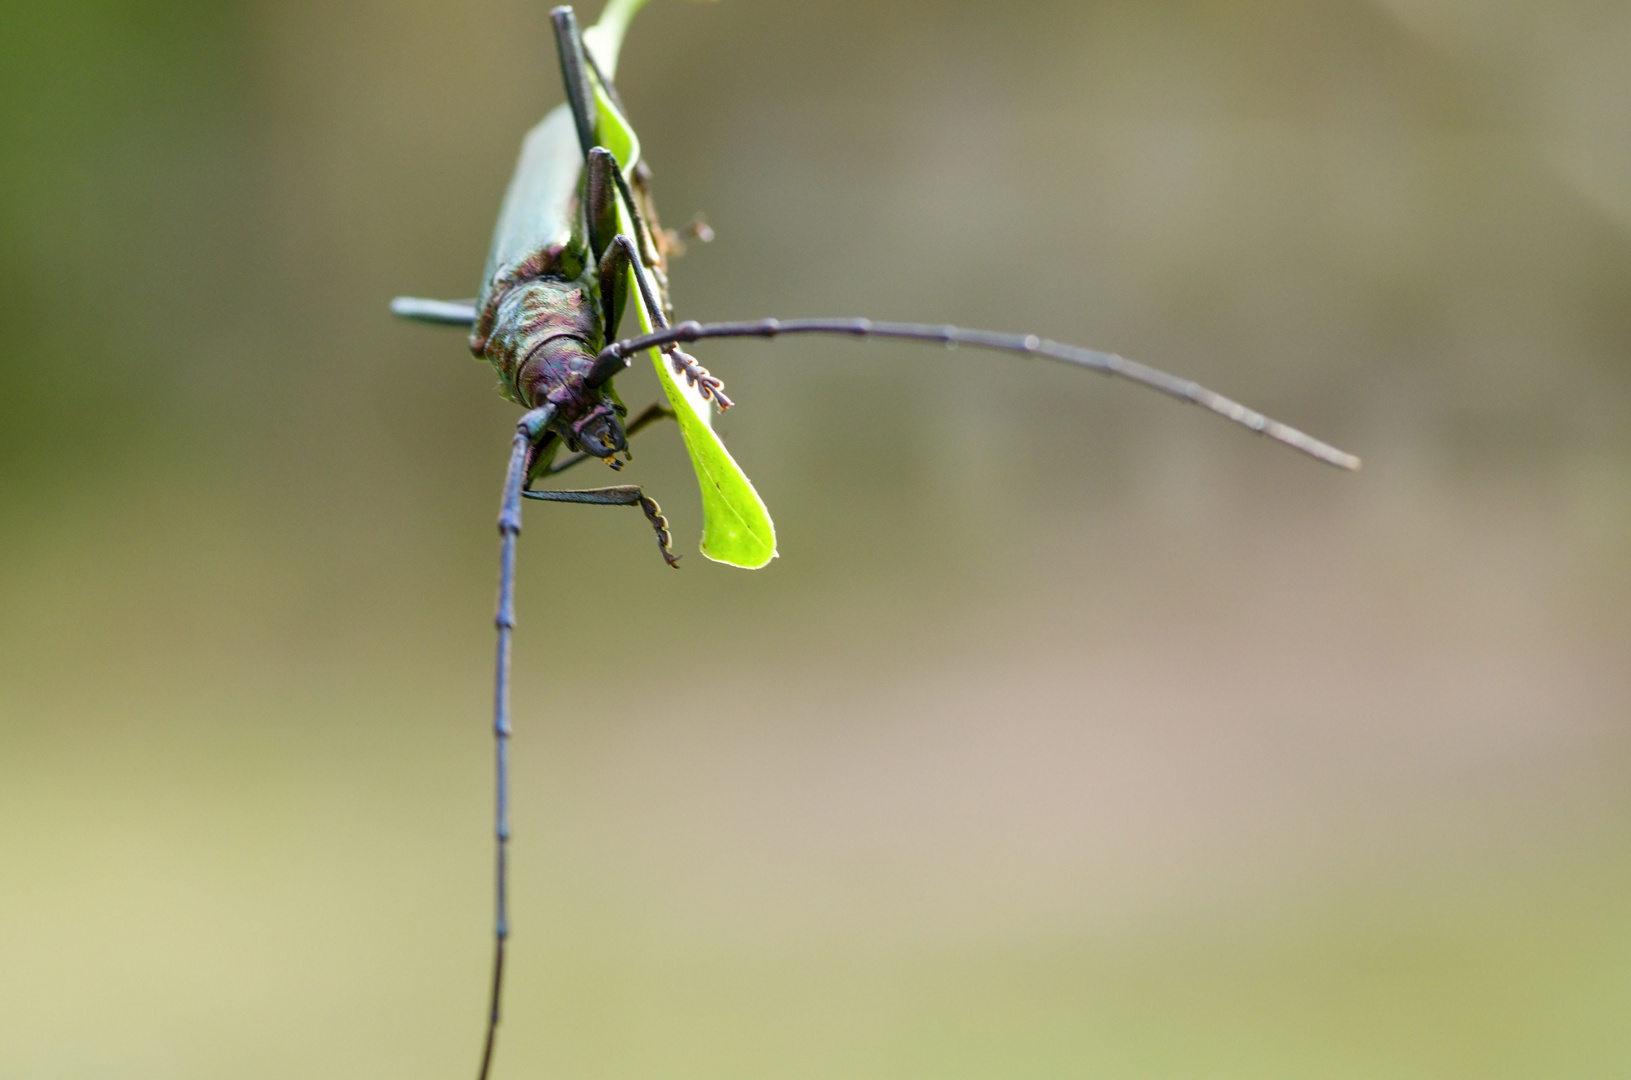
(540, 208)
(538, 285)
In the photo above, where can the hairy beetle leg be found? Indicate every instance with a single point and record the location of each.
(709, 386)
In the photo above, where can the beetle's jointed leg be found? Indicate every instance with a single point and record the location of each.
(641, 253)
(623, 253)
(580, 93)
(576, 66)
(614, 280)
(627, 495)
(600, 199)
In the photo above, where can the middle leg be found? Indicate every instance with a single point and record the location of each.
(624, 495)
(621, 258)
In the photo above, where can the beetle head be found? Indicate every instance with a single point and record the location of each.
(599, 432)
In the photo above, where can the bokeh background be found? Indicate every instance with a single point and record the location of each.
(1074, 734)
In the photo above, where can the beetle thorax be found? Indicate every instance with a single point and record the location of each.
(543, 340)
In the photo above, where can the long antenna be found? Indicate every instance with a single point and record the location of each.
(527, 432)
(614, 357)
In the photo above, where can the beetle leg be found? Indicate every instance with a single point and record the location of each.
(652, 414)
(613, 272)
(709, 386)
(580, 93)
(650, 256)
(606, 84)
(628, 495)
(577, 66)
(600, 195)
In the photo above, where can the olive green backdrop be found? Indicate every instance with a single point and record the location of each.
(1074, 733)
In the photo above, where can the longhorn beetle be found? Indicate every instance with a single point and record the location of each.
(576, 238)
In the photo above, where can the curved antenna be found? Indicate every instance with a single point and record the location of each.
(527, 433)
(614, 357)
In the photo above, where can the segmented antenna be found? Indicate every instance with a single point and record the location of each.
(527, 433)
(614, 357)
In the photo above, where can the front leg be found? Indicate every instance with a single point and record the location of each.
(626, 495)
(613, 271)
(601, 170)
(580, 92)
(621, 256)
(604, 187)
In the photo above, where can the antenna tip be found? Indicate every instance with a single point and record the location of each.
(1340, 458)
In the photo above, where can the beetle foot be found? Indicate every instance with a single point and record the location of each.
(654, 514)
(709, 386)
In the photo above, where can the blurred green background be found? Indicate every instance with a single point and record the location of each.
(1074, 734)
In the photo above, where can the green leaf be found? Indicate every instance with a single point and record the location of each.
(615, 133)
(736, 527)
